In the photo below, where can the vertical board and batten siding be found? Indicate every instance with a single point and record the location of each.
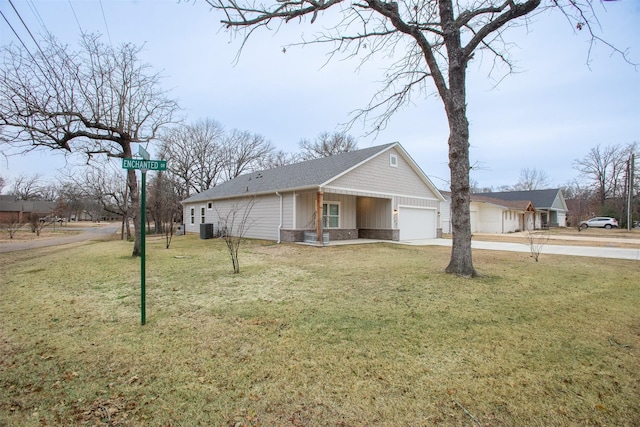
(445, 215)
(561, 213)
(347, 209)
(373, 213)
(305, 209)
(378, 176)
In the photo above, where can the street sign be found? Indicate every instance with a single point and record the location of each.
(152, 165)
(143, 153)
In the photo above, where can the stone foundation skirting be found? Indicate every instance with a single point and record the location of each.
(342, 234)
(379, 234)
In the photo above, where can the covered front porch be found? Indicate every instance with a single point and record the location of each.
(333, 216)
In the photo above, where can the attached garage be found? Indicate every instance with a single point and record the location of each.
(416, 223)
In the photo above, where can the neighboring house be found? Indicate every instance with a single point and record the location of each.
(13, 210)
(377, 192)
(549, 203)
(490, 215)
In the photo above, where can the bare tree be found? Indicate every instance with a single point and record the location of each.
(327, 145)
(234, 224)
(243, 152)
(276, 159)
(426, 41)
(104, 190)
(536, 241)
(27, 187)
(163, 202)
(581, 197)
(13, 225)
(97, 101)
(532, 179)
(605, 167)
(197, 157)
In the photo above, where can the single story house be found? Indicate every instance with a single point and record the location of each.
(377, 193)
(13, 210)
(549, 203)
(489, 215)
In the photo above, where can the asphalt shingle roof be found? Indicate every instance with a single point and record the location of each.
(308, 174)
(539, 198)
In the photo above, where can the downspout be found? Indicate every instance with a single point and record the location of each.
(280, 225)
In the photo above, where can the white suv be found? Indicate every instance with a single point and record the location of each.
(600, 222)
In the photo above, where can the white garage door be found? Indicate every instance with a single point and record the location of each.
(416, 223)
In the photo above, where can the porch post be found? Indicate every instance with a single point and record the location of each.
(319, 199)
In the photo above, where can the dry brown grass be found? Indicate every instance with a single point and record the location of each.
(306, 336)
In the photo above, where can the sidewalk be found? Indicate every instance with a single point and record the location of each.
(588, 251)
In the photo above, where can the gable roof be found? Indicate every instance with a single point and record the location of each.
(518, 205)
(541, 199)
(10, 203)
(299, 176)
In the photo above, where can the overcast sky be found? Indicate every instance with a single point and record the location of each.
(553, 111)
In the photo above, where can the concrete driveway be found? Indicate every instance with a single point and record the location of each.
(588, 251)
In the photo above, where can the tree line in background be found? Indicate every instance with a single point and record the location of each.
(203, 155)
(605, 184)
(199, 156)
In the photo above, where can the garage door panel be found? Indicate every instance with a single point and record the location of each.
(416, 223)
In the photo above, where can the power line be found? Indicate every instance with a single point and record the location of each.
(75, 16)
(51, 70)
(36, 13)
(104, 18)
(25, 47)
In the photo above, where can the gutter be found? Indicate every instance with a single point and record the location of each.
(279, 225)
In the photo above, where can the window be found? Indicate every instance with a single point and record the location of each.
(192, 215)
(202, 215)
(331, 215)
(210, 205)
(393, 161)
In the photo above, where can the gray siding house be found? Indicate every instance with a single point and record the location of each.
(377, 193)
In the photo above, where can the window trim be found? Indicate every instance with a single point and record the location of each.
(209, 206)
(192, 214)
(393, 160)
(203, 217)
(328, 203)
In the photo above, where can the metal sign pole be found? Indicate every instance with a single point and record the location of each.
(143, 239)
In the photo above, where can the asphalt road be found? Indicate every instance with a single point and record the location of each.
(89, 233)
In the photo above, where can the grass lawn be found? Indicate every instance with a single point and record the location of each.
(339, 336)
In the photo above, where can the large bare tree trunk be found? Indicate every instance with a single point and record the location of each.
(456, 108)
(134, 196)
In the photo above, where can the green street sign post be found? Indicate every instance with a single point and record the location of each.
(144, 165)
(150, 165)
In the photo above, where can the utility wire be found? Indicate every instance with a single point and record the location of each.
(51, 70)
(75, 16)
(36, 13)
(104, 18)
(33, 38)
